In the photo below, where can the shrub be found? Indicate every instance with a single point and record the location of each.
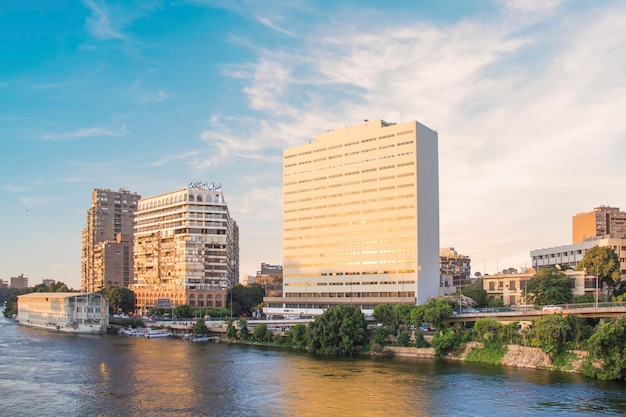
(445, 342)
(404, 339)
(420, 341)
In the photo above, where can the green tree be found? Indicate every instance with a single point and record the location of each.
(231, 331)
(298, 335)
(607, 351)
(244, 334)
(602, 261)
(120, 299)
(261, 333)
(549, 286)
(433, 311)
(550, 333)
(200, 327)
(385, 313)
(476, 292)
(420, 341)
(245, 298)
(584, 299)
(404, 339)
(183, 311)
(379, 335)
(488, 331)
(403, 313)
(338, 331)
(445, 342)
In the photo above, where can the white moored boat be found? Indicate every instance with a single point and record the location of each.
(154, 333)
(66, 312)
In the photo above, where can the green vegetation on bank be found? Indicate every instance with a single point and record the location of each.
(343, 331)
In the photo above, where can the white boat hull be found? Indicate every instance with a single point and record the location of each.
(63, 328)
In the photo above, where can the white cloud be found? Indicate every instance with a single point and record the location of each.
(38, 200)
(518, 112)
(532, 5)
(14, 188)
(100, 24)
(186, 156)
(86, 132)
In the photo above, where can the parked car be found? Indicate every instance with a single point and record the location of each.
(470, 310)
(551, 307)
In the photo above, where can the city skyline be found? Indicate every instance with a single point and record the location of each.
(527, 98)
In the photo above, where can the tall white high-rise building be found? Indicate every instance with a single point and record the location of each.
(360, 219)
(185, 248)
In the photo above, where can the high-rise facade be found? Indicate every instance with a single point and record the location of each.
(454, 264)
(107, 240)
(360, 218)
(602, 221)
(185, 248)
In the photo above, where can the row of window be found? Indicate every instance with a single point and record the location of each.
(308, 152)
(365, 294)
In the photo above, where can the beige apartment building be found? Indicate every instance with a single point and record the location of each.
(185, 244)
(602, 221)
(511, 288)
(107, 240)
(360, 219)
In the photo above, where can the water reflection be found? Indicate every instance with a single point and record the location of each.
(120, 376)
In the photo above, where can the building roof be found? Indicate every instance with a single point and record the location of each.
(54, 294)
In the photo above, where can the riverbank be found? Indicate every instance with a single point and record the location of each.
(516, 356)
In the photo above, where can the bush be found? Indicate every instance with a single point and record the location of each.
(379, 336)
(261, 333)
(445, 342)
(420, 341)
(298, 335)
(607, 351)
(338, 331)
(404, 339)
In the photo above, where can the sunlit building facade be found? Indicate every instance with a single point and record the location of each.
(107, 240)
(602, 221)
(185, 249)
(360, 219)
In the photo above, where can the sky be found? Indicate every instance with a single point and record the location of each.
(528, 98)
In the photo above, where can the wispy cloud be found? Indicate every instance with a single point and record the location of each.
(516, 108)
(101, 24)
(266, 21)
(109, 20)
(14, 188)
(179, 157)
(86, 133)
(39, 200)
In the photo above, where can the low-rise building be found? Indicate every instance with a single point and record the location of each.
(511, 288)
(19, 282)
(569, 256)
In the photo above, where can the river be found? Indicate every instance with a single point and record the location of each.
(51, 374)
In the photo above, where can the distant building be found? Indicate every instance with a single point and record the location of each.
(19, 282)
(360, 219)
(47, 282)
(602, 221)
(4, 284)
(271, 278)
(511, 288)
(107, 240)
(568, 256)
(185, 249)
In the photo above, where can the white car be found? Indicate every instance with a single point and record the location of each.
(551, 307)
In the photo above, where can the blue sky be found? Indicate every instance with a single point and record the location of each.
(528, 98)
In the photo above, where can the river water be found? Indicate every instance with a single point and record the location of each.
(51, 374)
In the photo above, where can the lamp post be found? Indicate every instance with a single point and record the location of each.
(597, 277)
